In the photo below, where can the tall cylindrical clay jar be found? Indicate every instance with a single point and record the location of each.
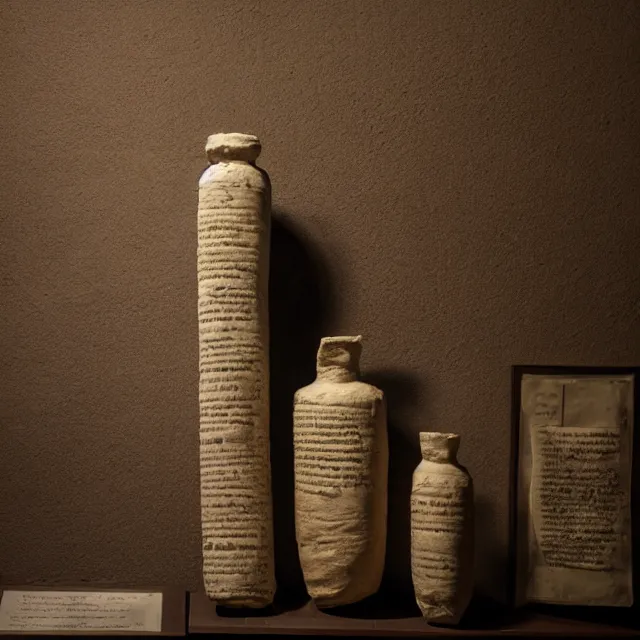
(341, 461)
(235, 476)
(442, 530)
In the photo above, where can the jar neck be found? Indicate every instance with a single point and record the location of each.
(439, 447)
(336, 374)
(339, 359)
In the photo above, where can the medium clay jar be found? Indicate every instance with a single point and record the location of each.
(341, 461)
(442, 530)
(233, 270)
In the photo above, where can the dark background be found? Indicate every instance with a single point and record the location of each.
(456, 181)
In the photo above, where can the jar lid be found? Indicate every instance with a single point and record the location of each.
(439, 447)
(226, 147)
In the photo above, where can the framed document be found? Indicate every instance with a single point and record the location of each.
(571, 485)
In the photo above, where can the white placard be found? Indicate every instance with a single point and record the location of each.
(80, 611)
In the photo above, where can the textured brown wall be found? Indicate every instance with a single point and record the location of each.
(457, 181)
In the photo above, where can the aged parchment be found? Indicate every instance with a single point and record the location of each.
(341, 462)
(43, 611)
(574, 476)
(235, 474)
(442, 530)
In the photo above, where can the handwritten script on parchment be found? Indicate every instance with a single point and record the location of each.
(80, 611)
(574, 481)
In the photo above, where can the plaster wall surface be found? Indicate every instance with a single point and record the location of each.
(456, 181)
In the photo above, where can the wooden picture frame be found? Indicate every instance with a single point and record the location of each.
(569, 461)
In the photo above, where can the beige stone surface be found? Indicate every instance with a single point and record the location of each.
(341, 462)
(233, 263)
(442, 530)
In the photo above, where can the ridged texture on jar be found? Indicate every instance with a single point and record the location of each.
(442, 531)
(341, 459)
(235, 476)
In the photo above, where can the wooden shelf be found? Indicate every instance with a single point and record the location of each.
(371, 618)
(483, 620)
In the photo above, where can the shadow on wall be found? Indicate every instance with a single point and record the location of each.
(401, 389)
(300, 304)
(491, 560)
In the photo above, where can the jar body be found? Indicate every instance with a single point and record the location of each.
(235, 475)
(442, 538)
(341, 466)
